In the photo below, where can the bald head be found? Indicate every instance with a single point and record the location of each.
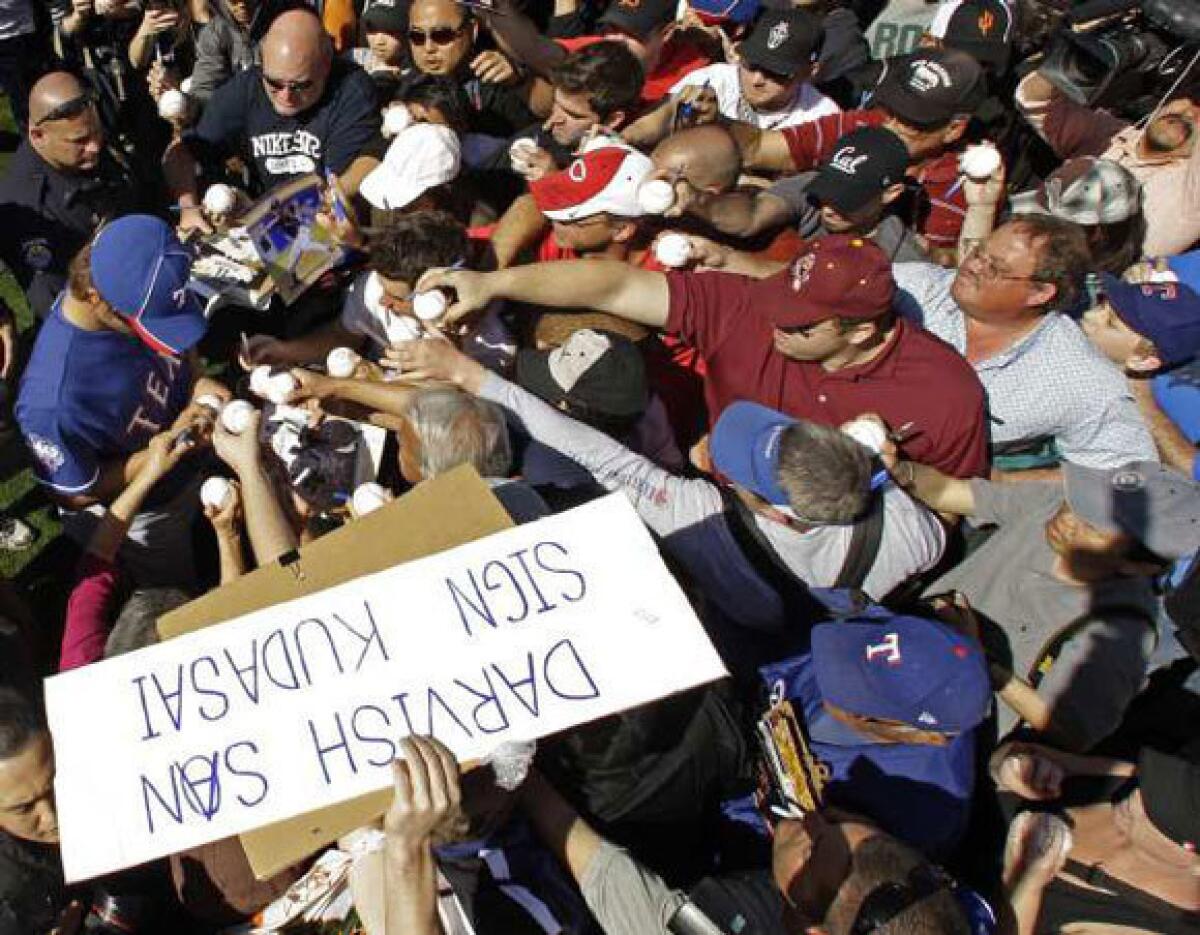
(706, 156)
(51, 92)
(64, 128)
(296, 55)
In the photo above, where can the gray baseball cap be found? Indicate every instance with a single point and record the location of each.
(1156, 506)
(1086, 191)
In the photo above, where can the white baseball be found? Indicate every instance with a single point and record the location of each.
(396, 119)
(429, 306)
(978, 163)
(521, 151)
(367, 498)
(656, 196)
(341, 362)
(260, 380)
(173, 104)
(868, 434)
(673, 250)
(236, 416)
(220, 199)
(280, 387)
(210, 401)
(215, 492)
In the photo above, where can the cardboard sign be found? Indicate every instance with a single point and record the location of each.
(299, 705)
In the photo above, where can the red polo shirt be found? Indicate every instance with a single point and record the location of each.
(917, 378)
(943, 204)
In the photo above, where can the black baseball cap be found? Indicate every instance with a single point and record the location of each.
(386, 16)
(1171, 794)
(596, 373)
(984, 30)
(639, 18)
(931, 87)
(783, 41)
(864, 163)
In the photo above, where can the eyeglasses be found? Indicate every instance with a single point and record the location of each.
(990, 269)
(67, 109)
(439, 35)
(295, 87)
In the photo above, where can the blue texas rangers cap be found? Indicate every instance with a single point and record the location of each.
(907, 669)
(745, 448)
(1167, 314)
(140, 268)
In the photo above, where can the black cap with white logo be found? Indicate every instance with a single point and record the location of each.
(931, 87)
(865, 163)
(783, 42)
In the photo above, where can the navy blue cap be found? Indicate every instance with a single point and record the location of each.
(744, 446)
(906, 669)
(142, 271)
(1165, 313)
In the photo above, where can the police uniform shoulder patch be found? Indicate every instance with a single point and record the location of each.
(36, 253)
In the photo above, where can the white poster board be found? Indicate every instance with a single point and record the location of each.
(299, 705)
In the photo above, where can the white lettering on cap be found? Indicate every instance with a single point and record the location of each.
(848, 159)
(888, 649)
(577, 171)
(927, 75)
(777, 36)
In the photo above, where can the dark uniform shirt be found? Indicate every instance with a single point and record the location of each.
(47, 216)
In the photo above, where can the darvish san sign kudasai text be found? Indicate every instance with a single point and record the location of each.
(301, 705)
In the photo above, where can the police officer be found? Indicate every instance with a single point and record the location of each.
(62, 183)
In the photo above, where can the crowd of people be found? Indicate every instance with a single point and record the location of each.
(898, 360)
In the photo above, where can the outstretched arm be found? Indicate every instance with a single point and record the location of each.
(604, 286)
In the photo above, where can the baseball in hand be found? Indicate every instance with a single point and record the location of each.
(173, 104)
(656, 196)
(341, 363)
(215, 492)
(673, 250)
(979, 163)
(236, 416)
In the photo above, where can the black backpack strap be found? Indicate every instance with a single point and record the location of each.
(864, 547)
(792, 590)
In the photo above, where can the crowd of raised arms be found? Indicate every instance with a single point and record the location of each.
(896, 358)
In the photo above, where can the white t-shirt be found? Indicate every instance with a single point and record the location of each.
(808, 104)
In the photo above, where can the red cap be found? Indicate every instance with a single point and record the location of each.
(838, 276)
(605, 179)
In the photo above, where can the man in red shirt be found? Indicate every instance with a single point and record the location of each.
(818, 340)
(926, 99)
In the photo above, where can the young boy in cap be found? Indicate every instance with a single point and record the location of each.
(1151, 330)
(109, 370)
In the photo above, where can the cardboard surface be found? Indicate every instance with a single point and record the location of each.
(452, 509)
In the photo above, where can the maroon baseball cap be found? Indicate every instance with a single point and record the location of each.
(839, 276)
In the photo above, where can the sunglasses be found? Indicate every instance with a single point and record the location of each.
(67, 109)
(295, 87)
(439, 35)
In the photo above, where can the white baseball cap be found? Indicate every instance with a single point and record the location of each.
(421, 157)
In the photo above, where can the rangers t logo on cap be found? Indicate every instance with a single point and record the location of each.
(777, 36)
